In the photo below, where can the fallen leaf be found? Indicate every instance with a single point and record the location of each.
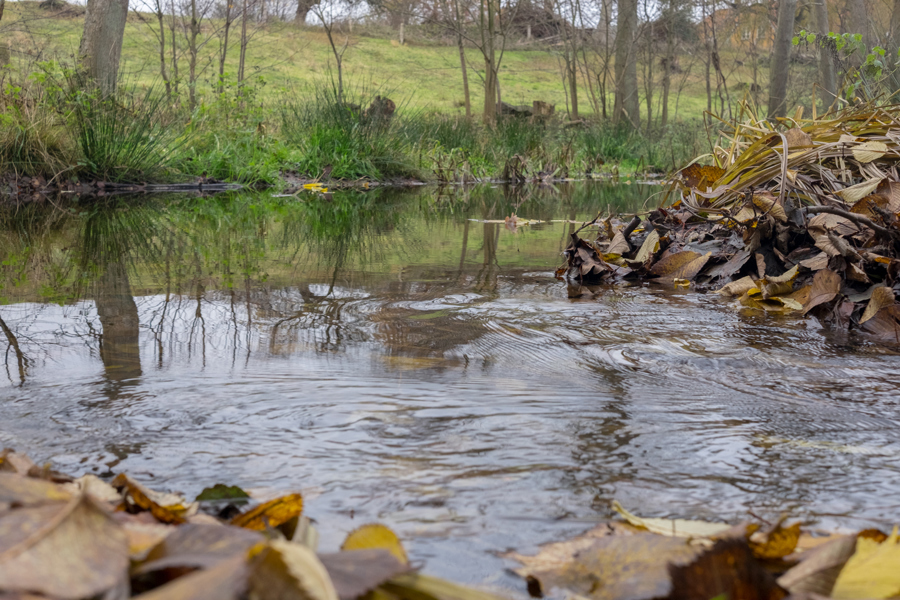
(855, 192)
(869, 151)
(885, 325)
(220, 491)
(225, 581)
(767, 203)
(415, 586)
(356, 572)
(825, 286)
(19, 490)
(673, 527)
(375, 535)
(271, 514)
(777, 543)
(67, 550)
(648, 248)
(727, 570)
(200, 546)
(14, 462)
(556, 554)
(701, 177)
(619, 245)
(822, 223)
(737, 288)
(96, 487)
(872, 571)
(819, 568)
(281, 570)
(816, 263)
(142, 533)
(167, 508)
(676, 266)
(881, 297)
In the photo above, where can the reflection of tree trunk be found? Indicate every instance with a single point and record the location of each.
(120, 347)
(14, 344)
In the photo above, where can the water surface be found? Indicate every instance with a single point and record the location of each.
(400, 360)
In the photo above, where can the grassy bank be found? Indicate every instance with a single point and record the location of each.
(53, 129)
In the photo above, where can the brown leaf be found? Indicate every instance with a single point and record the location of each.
(825, 286)
(855, 192)
(282, 570)
(820, 567)
(727, 570)
(621, 568)
(881, 298)
(885, 325)
(167, 508)
(68, 550)
(271, 514)
(823, 223)
(816, 263)
(682, 265)
(731, 266)
(737, 288)
(648, 248)
(200, 546)
(415, 586)
(13, 462)
(355, 572)
(554, 555)
(797, 139)
(225, 581)
(143, 532)
(619, 245)
(767, 203)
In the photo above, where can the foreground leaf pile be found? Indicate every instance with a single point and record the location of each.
(640, 559)
(804, 220)
(72, 539)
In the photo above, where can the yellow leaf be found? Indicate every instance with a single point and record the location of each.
(167, 508)
(872, 572)
(650, 246)
(673, 527)
(271, 514)
(375, 535)
(286, 570)
(779, 542)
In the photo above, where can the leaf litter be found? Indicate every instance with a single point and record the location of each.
(85, 538)
(799, 218)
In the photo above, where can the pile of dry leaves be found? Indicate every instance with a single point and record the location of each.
(802, 221)
(642, 559)
(74, 539)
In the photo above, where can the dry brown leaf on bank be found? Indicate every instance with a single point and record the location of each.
(826, 286)
(816, 263)
(282, 570)
(415, 586)
(271, 514)
(27, 491)
(854, 193)
(648, 248)
(682, 265)
(167, 508)
(200, 546)
(96, 487)
(699, 177)
(885, 325)
(673, 527)
(737, 288)
(375, 535)
(225, 581)
(14, 462)
(822, 223)
(67, 550)
(881, 298)
(872, 571)
(767, 203)
(632, 567)
(819, 568)
(797, 139)
(869, 151)
(355, 572)
(619, 245)
(727, 570)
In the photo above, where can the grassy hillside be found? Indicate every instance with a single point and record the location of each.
(292, 59)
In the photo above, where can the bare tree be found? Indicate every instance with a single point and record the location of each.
(781, 57)
(627, 106)
(101, 42)
(458, 25)
(303, 8)
(826, 60)
(333, 16)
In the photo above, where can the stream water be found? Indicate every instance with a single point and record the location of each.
(399, 360)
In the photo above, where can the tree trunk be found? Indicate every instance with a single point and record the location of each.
(174, 48)
(2, 6)
(859, 21)
(488, 32)
(101, 42)
(162, 47)
(627, 104)
(243, 54)
(781, 58)
(303, 7)
(668, 64)
(826, 60)
(462, 59)
(192, 49)
(893, 45)
(223, 51)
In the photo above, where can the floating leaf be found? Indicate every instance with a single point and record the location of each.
(375, 535)
(271, 514)
(673, 527)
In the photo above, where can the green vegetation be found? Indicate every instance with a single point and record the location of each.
(288, 120)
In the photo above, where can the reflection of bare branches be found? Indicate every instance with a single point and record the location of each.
(14, 345)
